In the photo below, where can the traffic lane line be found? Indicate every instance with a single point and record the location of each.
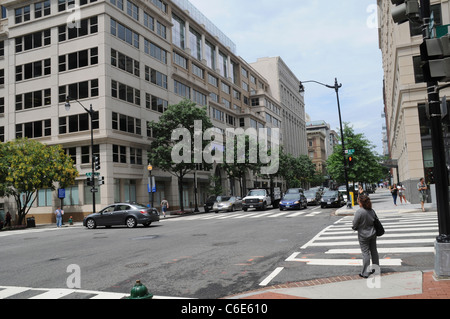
(269, 278)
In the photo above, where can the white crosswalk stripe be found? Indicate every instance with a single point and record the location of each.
(242, 215)
(58, 293)
(405, 234)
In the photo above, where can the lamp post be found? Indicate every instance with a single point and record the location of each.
(150, 184)
(336, 87)
(91, 113)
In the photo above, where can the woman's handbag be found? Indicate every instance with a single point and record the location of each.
(379, 229)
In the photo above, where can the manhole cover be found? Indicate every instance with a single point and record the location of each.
(136, 265)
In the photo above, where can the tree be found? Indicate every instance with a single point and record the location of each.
(180, 117)
(296, 171)
(366, 169)
(27, 166)
(240, 166)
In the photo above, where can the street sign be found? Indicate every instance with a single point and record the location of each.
(61, 193)
(94, 190)
(350, 152)
(90, 174)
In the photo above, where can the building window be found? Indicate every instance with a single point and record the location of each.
(155, 51)
(125, 92)
(78, 59)
(42, 9)
(77, 91)
(124, 33)
(22, 14)
(180, 60)
(182, 90)
(126, 123)
(155, 103)
(135, 156)
(78, 123)
(87, 26)
(155, 77)
(34, 129)
(33, 40)
(33, 70)
(33, 99)
(195, 44)
(119, 154)
(133, 10)
(178, 32)
(210, 55)
(124, 62)
(63, 5)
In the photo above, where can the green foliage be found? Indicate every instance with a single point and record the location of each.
(27, 166)
(297, 171)
(366, 169)
(181, 115)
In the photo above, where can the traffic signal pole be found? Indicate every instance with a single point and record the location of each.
(437, 138)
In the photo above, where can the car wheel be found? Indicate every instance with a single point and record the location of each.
(131, 222)
(263, 208)
(90, 224)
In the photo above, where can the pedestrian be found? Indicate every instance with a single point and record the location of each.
(59, 215)
(422, 188)
(363, 223)
(361, 191)
(394, 192)
(401, 193)
(164, 206)
(7, 220)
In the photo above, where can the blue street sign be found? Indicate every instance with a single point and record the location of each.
(61, 193)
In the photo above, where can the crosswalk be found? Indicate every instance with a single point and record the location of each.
(406, 234)
(14, 292)
(254, 215)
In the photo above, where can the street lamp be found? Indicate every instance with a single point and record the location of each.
(336, 87)
(91, 113)
(150, 184)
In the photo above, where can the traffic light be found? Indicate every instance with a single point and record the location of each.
(405, 10)
(351, 161)
(89, 181)
(435, 54)
(96, 163)
(101, 181)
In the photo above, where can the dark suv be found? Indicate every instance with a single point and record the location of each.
(210, 203)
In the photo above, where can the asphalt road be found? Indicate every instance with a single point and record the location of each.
(207, 256)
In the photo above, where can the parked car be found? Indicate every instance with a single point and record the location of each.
(122, 214)
(227, 203)
(312, 197)
(332, 198)
(210, 202)
(293, 201)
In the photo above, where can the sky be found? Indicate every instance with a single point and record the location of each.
(319, 40)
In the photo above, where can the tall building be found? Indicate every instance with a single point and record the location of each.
(129, 59)
(284, 86)
(408, 131)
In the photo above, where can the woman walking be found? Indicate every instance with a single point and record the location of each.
(394, 192)
(363, 223)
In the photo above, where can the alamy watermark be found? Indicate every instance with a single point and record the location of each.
(221, 150)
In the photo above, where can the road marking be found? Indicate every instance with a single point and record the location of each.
(245, 215)
(11, 291)
(266, 281)
(383, 250)
(295, 214)
(261, 215)
(313, 214)
(341, 262)
(278, 215)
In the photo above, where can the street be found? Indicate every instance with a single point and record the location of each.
(207, 256)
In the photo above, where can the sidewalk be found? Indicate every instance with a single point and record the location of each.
(401, 285)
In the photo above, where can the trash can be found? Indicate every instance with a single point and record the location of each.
(31, 222)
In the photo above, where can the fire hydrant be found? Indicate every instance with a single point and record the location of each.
(70, 221)
(139, 291)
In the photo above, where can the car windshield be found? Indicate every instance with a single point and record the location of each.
(256, 193)
(291, 196)
(223, 198)
(311, 194)
(330, 193)
(293, 191)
